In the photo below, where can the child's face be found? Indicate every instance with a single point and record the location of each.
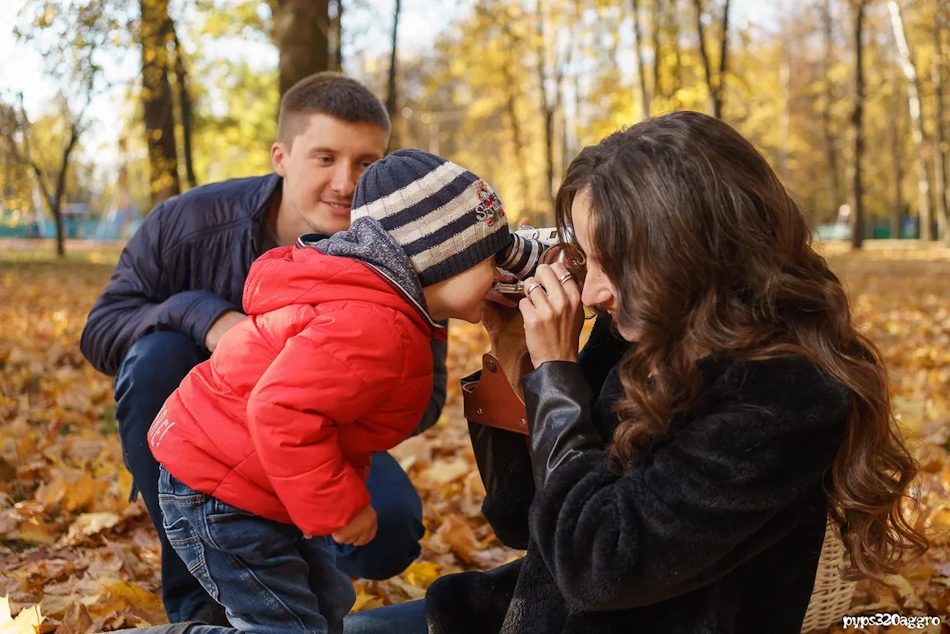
(461, 296)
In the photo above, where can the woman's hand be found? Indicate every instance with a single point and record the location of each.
(553, 314)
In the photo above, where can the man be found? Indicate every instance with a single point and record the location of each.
(178, 287)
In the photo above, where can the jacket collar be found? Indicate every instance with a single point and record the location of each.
(399, 277)
(258, 203)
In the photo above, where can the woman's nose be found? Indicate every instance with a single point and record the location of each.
(595, 294)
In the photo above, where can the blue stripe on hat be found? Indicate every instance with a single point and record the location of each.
(393, 172)
(485, 248)
(442, 234)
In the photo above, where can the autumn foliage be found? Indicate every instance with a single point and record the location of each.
(73, 546)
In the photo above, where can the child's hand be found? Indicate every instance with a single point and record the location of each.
(360, 531)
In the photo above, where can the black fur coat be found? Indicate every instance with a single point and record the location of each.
(716, 529)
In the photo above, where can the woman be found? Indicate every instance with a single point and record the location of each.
(747, 409)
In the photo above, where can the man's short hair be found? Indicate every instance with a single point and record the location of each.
(332, 94)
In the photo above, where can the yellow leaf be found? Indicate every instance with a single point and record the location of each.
(365, 600)
(131, 595)
(27, 621)
(82, 493)
(34, 530)
(422, 573)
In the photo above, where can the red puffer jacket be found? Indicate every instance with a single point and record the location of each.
(332, 364)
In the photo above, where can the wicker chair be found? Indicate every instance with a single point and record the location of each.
(832, 595)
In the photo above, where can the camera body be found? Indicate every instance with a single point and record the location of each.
(531, 247)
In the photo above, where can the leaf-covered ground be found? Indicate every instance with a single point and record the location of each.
(71, 542)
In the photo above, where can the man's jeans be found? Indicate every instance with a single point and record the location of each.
(401, 618)
(151, 370)
(269, 576)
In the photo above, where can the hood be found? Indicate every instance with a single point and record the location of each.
(360, 264)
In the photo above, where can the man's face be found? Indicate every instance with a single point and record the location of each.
(321, 167)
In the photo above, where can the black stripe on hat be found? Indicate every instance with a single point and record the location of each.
(444, 233)
(485, 248)
(427, 205)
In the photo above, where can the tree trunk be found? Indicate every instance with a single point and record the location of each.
(518, 139)
(548, 108)
(338, 36)
(897, 156)
(185, 108)
(57, 207)
(701, 32)
(641, 67)
(673, 37)
(516, 132)
(716, 85)
(857, 120)
(657, 26)
(302, 32)
(391, 96)
(157, 101)
(723, 65)
(831, 140)
(940, 157)
(906, 59)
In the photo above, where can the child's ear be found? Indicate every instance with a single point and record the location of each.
(277, 156)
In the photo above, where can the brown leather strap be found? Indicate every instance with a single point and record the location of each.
(492, 401)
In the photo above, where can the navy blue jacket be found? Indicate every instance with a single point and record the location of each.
(186, 266)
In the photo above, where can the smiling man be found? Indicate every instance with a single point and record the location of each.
(178, 287)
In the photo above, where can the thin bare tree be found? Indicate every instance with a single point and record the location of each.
(338, 35)
(391, 96)
(185, 111)
(17, 132)
(716, 84)
(552, 61)
(831, 139)
(906, 61)
(897, 132)
(857, 121)
(940, 157)
(641, 65)
(656, 30)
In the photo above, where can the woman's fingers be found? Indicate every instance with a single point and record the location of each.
(552, 289)
(535, 293)
(569, 286)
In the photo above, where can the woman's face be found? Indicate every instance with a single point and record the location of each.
(598, 290)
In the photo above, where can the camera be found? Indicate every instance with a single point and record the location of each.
(530, 247)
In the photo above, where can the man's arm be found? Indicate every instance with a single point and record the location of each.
(142, 297)
(440, 376)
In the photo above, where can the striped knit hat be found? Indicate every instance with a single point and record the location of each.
(445, 218)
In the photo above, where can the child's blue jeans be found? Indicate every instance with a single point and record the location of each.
(267, 575)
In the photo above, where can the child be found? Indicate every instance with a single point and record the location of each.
(269, 442)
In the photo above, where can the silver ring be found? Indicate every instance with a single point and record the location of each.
(567, 276)
(531, 288)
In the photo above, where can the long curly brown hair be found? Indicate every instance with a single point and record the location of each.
(708, 253)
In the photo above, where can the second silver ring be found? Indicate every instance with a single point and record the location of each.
(532, 288)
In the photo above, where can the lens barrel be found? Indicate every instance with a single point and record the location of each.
(522, 256)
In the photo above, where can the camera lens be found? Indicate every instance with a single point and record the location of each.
(521, 257)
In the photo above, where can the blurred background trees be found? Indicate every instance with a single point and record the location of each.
(844, 97)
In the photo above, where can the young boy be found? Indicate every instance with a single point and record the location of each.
(265, 448)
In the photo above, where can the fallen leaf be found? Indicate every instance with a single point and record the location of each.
(26, 622)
